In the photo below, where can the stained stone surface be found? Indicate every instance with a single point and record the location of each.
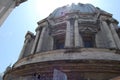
(80, 40)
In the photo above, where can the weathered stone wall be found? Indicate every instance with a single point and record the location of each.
(28, 47)
(47, 41)
(77, 54)
(74, 69)
(101, 61)
(100, 40)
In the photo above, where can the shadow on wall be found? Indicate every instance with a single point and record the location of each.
(116, 78)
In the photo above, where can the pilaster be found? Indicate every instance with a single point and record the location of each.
(109, 38)
(100, 40)
(78, 39)
(35, 41)
(41, 38)
(68, 36)
(27, 38)
(115, 35)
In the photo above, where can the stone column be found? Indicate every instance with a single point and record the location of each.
(51, 43)
(100, 40)
(108, 35)
(97, 40)
(35, 41)
(115, 35)
(68, 36)
(24, 46)
(39, 47)
(78, 39)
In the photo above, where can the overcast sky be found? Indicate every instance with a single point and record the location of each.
(26, 16)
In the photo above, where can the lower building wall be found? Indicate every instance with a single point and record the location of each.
(73, 69)
(70, 76)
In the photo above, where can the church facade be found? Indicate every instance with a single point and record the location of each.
(80, 40)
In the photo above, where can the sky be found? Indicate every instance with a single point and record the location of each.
(26, 16)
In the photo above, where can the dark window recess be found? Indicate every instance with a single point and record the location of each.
(88, 40)
(88, 44)
(58, 43)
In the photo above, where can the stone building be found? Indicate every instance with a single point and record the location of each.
(6, 6)
(79, 40)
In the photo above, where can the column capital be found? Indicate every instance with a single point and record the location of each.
(41, 25)
(71, 17)
(38, 28)
(29, 35)
(76, 17)
(104, 18)
(112, 20)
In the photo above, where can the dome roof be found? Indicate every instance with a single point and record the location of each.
(82, 8)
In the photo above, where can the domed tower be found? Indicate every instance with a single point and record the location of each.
(76, 42)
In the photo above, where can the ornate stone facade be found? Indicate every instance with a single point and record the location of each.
(80, 40)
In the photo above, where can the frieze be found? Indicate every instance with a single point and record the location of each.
(58, 30)
(59, 24)
(71, 15)
(87, 21)
(60, 19)
(87, 16)
(91, 28)
(88, 29)
(104, 18)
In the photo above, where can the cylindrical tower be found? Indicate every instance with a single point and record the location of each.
(79, 42)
